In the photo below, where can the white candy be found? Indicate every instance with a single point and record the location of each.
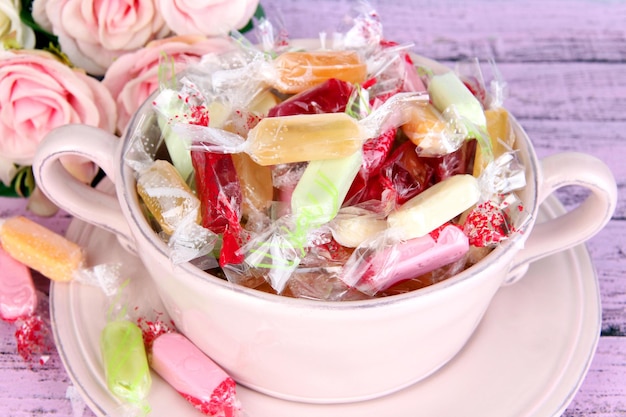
(353, 225)
(434, 206)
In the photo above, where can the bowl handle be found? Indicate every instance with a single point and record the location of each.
(578, 225)
(80, 200)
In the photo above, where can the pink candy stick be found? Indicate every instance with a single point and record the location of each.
(196, 377)
(17, 291)
(406, 260)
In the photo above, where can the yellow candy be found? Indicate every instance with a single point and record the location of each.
(500, 135)
(167, 196)
(306, 137)
(256, 184)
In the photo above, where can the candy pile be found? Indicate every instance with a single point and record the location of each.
(344, 172)
(136, 339)
(25, 244)
(133, 340)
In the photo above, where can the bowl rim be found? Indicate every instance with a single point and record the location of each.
(504, 251)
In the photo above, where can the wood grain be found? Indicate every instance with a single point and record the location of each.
(565, 65)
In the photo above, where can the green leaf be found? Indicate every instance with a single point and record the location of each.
(258, 14)
(43, 38)
(7, 191)
(24, 181)
(22, 185)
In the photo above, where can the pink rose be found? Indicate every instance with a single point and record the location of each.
(94, 33)
(206, 17)
(39, 93)
(38, 11)
(134, 76)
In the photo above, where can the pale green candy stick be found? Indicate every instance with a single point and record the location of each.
(125, 363)
(171, 108)
(321, 191)
(448, 90)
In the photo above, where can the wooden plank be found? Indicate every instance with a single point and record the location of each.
(606, 141)
(603, 392)
(608, 254)
(558, 91)
(510, 31)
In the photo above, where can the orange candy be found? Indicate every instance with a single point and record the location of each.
(299, 71)
(41, 249)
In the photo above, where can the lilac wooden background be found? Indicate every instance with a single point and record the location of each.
(565, 62)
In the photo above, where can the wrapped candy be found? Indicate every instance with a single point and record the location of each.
(337, 174)
(501, 138)
(383, 261)
(170, 201)
(219, 189)
(256, 184)
(174, 105)
(309, 137)
(353, 225)
(41, 249)
(321, 190)
(167, 196)
(294, 72)
(402, 176)
(22, 305)
(17, 291)
(291, 72)
(448, 90)
(453, 163)
(125, 363)
(429, 130)
(499, 212)
(500, 135)
(375, 153)
(434, 207)
(122, 350)
(194, 375)
(330, 96)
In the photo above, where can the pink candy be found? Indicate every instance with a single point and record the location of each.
(391, 264)
(196, 377)
(17, 291)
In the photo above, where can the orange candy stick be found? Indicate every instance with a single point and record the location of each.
(41, 249)
(299, 71)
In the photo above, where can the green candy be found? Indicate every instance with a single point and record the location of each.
(448, 90)
(170, 108)
(125, 363)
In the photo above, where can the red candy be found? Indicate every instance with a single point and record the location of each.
(220, 405)
(375, 152)
(403, 176)
(152, 329)
(33, 339)
(486, 225)
(458, 162)
(328, 97)
(218, 189)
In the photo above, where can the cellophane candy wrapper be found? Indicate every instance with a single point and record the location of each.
(26, 245)
(169, 201)
(340, 173)
(33, 334)
(122, 349)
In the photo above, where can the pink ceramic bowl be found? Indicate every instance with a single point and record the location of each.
(325, 352)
